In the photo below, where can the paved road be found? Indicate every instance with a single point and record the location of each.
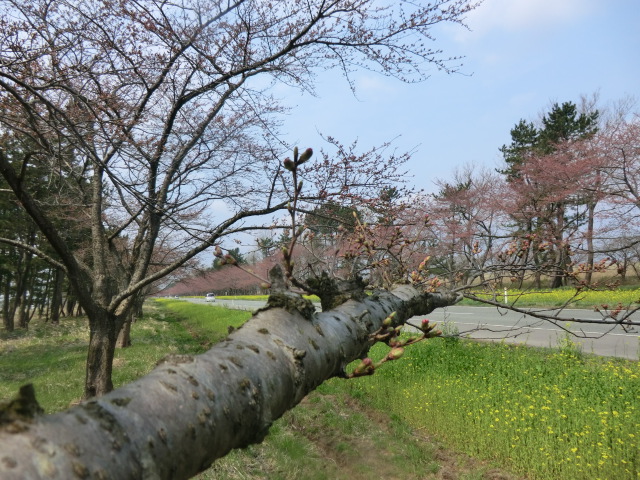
(495, 324)
(488, 323)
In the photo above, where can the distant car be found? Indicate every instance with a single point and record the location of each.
(211, 297)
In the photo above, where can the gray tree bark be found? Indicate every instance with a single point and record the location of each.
(191, 410)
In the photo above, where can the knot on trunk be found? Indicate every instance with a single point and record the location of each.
(22, 408)
(334, 292)
(281, 297)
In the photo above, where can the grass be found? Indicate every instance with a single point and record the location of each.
(207, 323)
(53, 358)
(328, 436)
(546, 414)
(262, 298)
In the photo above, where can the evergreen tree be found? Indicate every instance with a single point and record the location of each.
(562, 124)
(524, 139)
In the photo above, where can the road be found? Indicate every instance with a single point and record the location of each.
(488, 323)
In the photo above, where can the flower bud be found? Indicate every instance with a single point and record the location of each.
(395, 353)
(387, 322)
(365, 367)
(289, 165)
(306, 155)
(427, 327)
(424, 262)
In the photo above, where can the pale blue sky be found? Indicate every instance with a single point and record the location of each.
(521, 56)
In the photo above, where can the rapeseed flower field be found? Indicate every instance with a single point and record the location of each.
(545, 414)
(568, 296)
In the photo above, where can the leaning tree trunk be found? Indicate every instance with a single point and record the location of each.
(174, 422)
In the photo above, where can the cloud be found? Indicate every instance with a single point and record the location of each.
(519, 15)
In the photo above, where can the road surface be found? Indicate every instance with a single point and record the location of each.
(489, 323)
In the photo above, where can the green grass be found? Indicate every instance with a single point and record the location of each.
(542, 413)
(545, 414)
(328, 436)
(262, 298)
(207, 323)
(53, 358)
(331, 437)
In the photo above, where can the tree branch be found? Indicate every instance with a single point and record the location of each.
(174, 422)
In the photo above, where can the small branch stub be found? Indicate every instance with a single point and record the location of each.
(281, 297)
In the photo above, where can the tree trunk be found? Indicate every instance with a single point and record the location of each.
(174, 422)
(6, 295)
(104, 328)
(56, 297)
(561, 260)
(589, 235)
(23, 311)
(124, 337)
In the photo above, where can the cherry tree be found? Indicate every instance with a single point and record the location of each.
(155, 112)
(467, 219)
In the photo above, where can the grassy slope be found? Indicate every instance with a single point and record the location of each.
(545, 414)
(328, 436)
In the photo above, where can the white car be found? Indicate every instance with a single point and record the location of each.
(211, 297)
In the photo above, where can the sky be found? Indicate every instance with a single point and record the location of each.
(521, 56)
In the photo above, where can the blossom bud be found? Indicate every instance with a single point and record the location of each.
(395, 353)
(387, 322)
(289, 165)
(364, 368)
(306, 155)
(424, 262)
(425, 327)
